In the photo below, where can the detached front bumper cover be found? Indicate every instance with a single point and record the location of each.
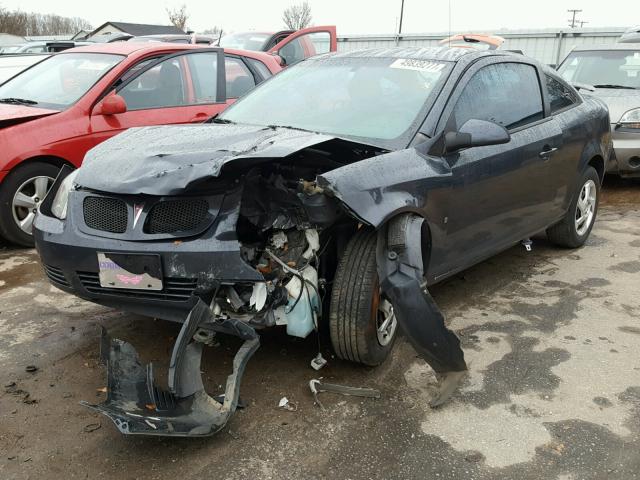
(138, 407)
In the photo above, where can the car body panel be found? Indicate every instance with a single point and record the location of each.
(281, 203)
(473, 40)
(307, 45)
(82, 129)
(274, 41)
(15, 112)
(168, 160)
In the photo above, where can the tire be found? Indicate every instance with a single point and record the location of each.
(357, 309)
(23, 178)
(569, 233)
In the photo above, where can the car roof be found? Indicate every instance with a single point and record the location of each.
(612, 46)
(127, 48)
(451, 54)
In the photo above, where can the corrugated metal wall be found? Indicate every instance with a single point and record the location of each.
(549, 46)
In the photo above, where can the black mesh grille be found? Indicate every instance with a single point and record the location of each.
(176, 215)
(56, 276)
(174, 289)
(105, 214)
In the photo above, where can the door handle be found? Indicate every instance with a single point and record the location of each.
(546, 153)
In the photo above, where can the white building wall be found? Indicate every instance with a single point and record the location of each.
(548, 46)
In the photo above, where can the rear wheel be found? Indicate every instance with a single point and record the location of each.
(575, 227)
(362, 322)
(21, 193)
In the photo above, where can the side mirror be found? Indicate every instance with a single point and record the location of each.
(111, 105)
(476, 133)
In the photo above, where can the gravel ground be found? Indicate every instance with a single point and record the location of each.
(552, 338)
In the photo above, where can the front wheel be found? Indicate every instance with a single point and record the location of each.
(21, 193)
(362, 321)
(574, 229)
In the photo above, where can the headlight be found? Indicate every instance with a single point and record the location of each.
(631, 119)
(59, 205)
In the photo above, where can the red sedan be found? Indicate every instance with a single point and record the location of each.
(53, 112)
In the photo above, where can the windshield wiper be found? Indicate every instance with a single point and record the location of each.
(611, 85)
(290, 128)
(220, 120)
(18, 101)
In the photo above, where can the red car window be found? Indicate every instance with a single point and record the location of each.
(239, 77)
(161, 86)
(203, 69)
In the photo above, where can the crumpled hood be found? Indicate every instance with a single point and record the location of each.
(12, 114)
(166, 160)
(619, 101)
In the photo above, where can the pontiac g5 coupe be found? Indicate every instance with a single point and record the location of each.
(334, 194)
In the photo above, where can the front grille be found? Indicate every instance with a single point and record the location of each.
(174, 289)
(56, 276)
(105, 214)
(175, 216)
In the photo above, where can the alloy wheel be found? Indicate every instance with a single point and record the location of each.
(586, 206)
(27, 199)
(386, 323)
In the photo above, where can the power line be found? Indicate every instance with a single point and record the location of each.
(573, 22)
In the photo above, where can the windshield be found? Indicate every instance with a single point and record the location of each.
(605, 68)
(245, 41)
(11, 65)
(376, 98)
(59, 81)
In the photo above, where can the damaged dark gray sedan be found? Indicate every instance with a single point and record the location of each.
(333, 194)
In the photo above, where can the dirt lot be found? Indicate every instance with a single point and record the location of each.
(552, 337)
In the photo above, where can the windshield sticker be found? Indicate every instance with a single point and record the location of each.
(419, 65)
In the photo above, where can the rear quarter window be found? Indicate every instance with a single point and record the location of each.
(560, 96)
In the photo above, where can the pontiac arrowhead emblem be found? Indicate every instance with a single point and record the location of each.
(137, 211)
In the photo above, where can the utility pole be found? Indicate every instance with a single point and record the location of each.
(573, 21)
(401, 13)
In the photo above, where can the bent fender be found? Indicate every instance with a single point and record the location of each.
(400, 269)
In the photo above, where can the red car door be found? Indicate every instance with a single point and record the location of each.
(186, 87)
(306, 43)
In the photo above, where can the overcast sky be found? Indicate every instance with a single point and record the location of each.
(351, 16)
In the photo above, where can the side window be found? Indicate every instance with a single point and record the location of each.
(161, 86)
(133, 71)
(505, 93)
(305, 46)
(204, 74)
(260, 67)
(559, 95)
(239, 78)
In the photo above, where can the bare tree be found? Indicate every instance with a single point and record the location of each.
(31, 24)
(179, 17)
(297, 16)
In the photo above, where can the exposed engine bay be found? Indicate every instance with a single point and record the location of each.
(285, 227)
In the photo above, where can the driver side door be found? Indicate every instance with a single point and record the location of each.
(500, 192)
(188, 87)
(306, 43)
